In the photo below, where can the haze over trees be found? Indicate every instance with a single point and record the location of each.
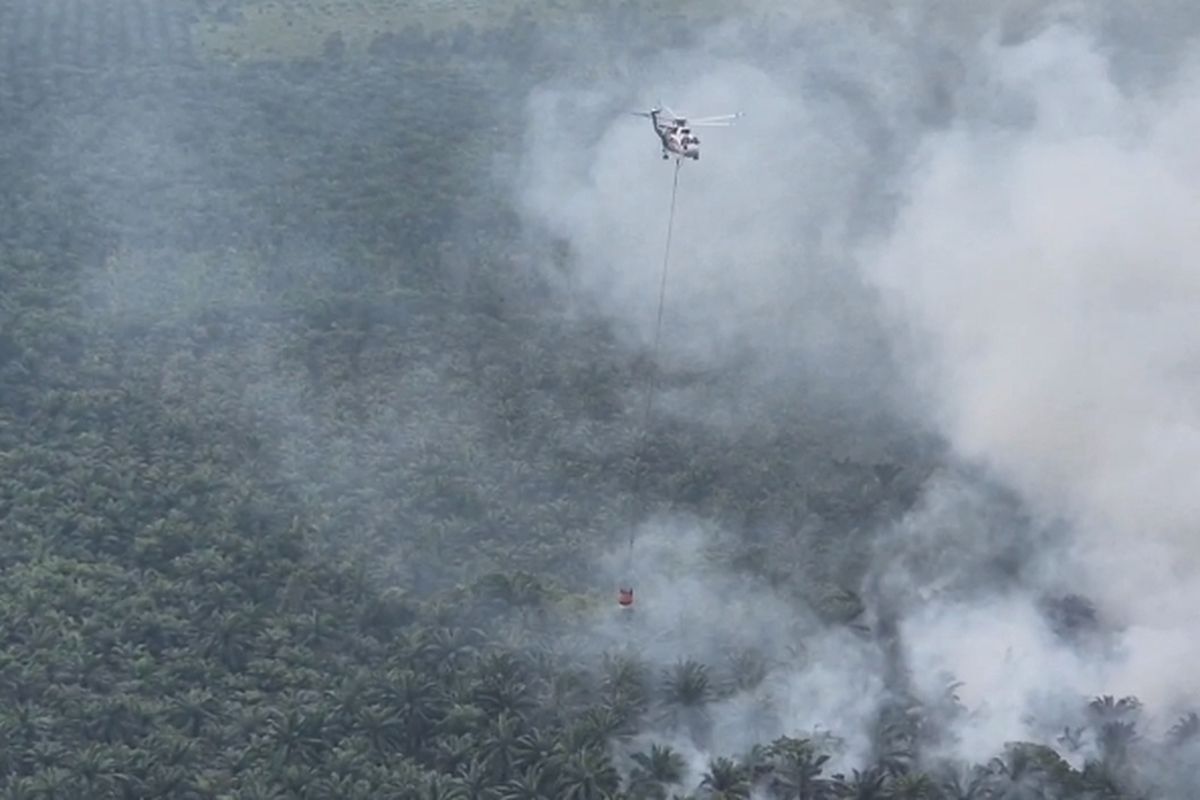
(321, 426)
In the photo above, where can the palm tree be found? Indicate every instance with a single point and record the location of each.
(193, 710)
(1115, 740)
(19, 788)
(169, 748)
(476, 778)
(97, 769)
(26, 721)
(1071, 739)
(531, 784)
(792, 768)
(383, 728)
(416, 700)
(42, 753)
(340, 787)
(1099, 782)
(866, 785)
(500, 687)
(507, 591)
(587, 775)
(161, 780)
(625, 683)
(533, 748)
(54, 782)
(500, 746)
(1106, 709)
(297, 735)
(725, 780)
(564, 693)
(1185, 730)
(260, 787)
(461, 719)
(655, 770)
(443, 787)
(296, 778)
(747, 670)
(898, 730)
(685, 694)
(229, 639)
(118, 718)
(596, 726)
(450, 650)
(687, 685)
(1026, 771)
(451, 752)
(914, 786)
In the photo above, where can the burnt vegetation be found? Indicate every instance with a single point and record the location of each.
(299, 465)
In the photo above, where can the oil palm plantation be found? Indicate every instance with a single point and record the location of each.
(654, 772)
(725, 780)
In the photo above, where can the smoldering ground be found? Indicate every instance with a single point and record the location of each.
(775, 668)
(1006, 199)
(1048, 272)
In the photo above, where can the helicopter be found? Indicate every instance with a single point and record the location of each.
(675, 131)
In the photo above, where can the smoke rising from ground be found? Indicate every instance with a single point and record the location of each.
(689, 606)
(1012, 199)
(760, 219)
(1050, 273)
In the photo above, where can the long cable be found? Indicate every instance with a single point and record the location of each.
(652, 387)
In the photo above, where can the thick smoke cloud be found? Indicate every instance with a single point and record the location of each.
(1048, 272)
(760, 221)
(813, 681)
(1007, 198)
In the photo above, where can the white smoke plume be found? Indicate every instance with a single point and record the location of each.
(1048, 272)
(688, 606)
(1010, 195)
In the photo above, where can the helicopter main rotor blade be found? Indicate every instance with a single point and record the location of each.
(725, 119)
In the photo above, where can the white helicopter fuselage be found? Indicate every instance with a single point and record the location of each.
(676, 139)
(675, 132)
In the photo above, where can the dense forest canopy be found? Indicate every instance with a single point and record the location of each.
(325, 336)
